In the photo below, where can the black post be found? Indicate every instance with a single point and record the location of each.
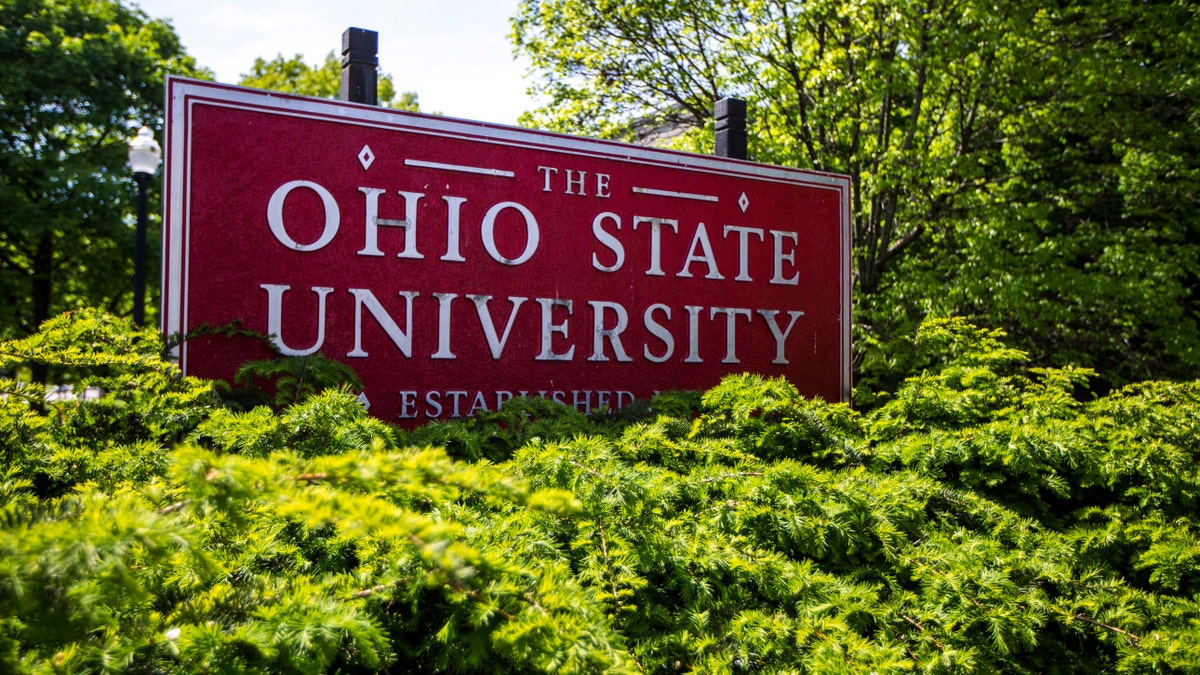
(139, 252)
(360, 58)
(731, 128)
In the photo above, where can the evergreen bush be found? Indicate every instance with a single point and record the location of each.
(980, 518)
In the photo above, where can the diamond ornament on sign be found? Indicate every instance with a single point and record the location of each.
(743, 202)
(366, 157)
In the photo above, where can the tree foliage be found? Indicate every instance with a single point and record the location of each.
(1029, 165)
(79, 77)
(324, 81)
(981, 518)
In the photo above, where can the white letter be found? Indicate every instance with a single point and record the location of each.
(478, 404)
(496, 344)
(608, 240)
(602, 185)
(701, 237)
(487, 230)
(275, 215)
(452, 209)
(587, 400)
(743, 257)
(730, 329)
(402, 340)
(546, 171)
(444, 300)
(599, 332)
(371, 229)
(693, 337)
(780, 256)
(408, 405)
(769, 315)
(457, 396)
(659, 331)
(275, 318)
(433, 399)
(548, 329)
(655, 241)
(572, 181)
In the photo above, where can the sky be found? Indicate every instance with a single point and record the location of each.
(454, 53)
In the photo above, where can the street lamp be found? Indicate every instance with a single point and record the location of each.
(144, 157)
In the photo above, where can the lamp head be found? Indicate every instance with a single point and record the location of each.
(144, 153)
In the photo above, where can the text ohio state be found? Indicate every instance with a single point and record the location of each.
(569, 328)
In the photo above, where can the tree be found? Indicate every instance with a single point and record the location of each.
(297, 77)
(899, 95)
(1008, 160)
(79, 77)
(1087, 251)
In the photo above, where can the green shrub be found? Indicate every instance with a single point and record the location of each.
(982, 518)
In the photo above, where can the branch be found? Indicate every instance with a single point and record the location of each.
(939, 645)
(173, 507)
(368, 592)
(882, 259)
(608, 563)
(1131, 636)
(731, 475)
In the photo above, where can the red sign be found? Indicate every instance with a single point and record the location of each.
(457, 264)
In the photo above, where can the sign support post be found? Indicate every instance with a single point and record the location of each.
(730, 114)
(360, 59)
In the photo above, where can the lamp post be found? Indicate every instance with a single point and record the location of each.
(144, 157)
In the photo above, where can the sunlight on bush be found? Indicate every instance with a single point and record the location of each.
(983, 518)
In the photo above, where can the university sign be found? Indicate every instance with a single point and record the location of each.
(455, 265)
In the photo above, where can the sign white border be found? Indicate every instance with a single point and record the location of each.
(184, 95)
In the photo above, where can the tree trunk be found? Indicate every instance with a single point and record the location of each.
(42, 287)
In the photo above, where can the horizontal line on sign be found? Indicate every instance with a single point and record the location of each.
(461, 169)
(680, 195)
